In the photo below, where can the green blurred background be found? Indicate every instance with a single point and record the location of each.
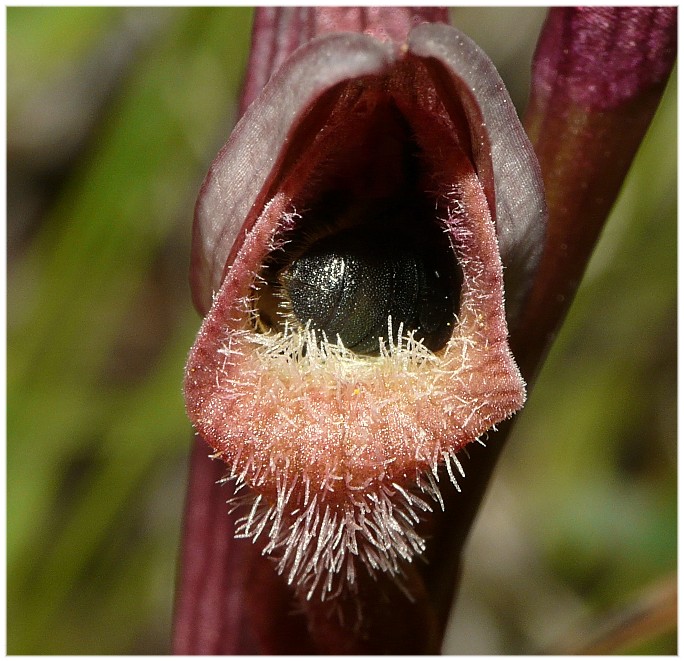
(114, 115)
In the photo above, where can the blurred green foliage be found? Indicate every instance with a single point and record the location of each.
(99, 322)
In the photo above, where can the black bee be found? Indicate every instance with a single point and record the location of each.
(349, 284)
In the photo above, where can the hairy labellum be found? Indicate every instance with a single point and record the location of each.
(347, 257)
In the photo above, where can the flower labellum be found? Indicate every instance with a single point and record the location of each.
(347, 253)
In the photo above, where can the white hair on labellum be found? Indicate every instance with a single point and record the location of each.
(317, 539)
(317, 546)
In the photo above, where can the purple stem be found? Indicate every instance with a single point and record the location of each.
(598, 77)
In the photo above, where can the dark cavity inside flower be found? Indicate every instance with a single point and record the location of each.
(369, 253)
(359, 286)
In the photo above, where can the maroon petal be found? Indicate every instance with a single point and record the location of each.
(238, 180)
(279, 31)
(505, 161)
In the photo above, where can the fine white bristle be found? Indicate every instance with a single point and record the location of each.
(318, 544)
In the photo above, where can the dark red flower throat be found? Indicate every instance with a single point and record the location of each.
(363, 176)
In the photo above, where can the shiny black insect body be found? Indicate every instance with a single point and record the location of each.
(348, 284)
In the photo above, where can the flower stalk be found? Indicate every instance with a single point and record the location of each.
(598, 77)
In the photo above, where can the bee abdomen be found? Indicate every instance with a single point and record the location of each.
(348, 284)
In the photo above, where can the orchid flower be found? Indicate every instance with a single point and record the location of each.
(378, 285)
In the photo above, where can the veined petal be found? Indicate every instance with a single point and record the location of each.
(504, 158)
(239, 177)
